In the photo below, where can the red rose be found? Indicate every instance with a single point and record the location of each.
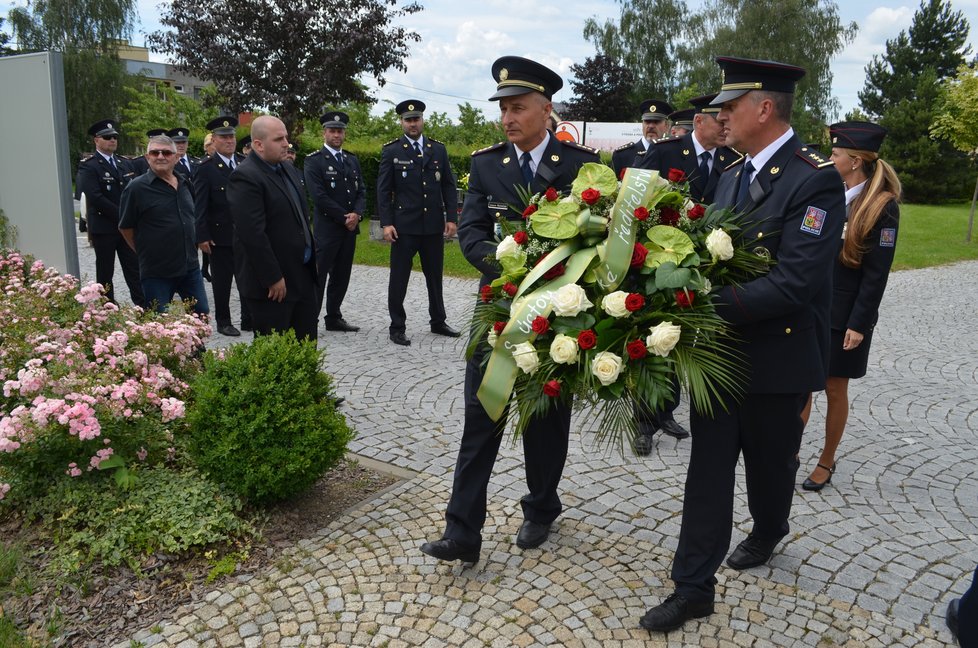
(696, 212)
(540, 325)
(529, 210)
(621, 174)
(486, 293)
(510, 288)
(677, 175)
(668, 216)
(587, 339)
(636, 349)
(498, 327)
(639, 252)
(554, 272)
(641, 213)
(521, 237)
(634, 301)
(684, 299)
(551, 194)
(551, 388)
(590, 196)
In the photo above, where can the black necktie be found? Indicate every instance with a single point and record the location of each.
(742, 191)
(339, 160)
(417, 149)
(185, 168)
(704, 165)
(231, 162)
(525, 168)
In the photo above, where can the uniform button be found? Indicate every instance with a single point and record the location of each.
(787, 331)
(760, 235)
(497, 214)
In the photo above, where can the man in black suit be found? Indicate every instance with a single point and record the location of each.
(339, 197)
(536, 158)
(795, 209)
(101, 178)
(215, 226)
(417, 202)
(655, 125)
(274, 253)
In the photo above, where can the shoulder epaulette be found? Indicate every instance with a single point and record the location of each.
(625, 146)
(579, 147)
(434, 141)
(88, 158)
(489, 148)
(813, 157)
(206, 160)
(734, 163)
(315, 153)
(393, 141)
(667, 140)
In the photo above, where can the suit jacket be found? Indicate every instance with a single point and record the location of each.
(417, 196)
(493, 178)
(271, 231)
(680, 153)
(857, 292)
(795, 211)
(139, 164)
(336, 191)
(625, 156)
(213, 213)
(102, 185)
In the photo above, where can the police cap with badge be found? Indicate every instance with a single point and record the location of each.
(702, 105)
(683, 118)
(334, 119)
(655, 109)
(243, 142)
(410, 109)
(741, 75)
(179, 134)
(857, 135)
(155, 132)
(223, 125)
(516, 75)
(104, 128)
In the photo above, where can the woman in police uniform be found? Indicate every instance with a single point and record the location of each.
(861, 271)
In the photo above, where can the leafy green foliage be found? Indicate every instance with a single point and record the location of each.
(262, 420)
(601, 91)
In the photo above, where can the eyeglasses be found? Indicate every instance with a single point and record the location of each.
(163, 152)
(110, 137)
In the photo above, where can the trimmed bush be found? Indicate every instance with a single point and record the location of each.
(262, 420)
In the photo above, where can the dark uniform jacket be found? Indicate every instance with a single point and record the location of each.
(416, 197)
(102, 185)
(680, 153)
(336, 190)
(493, 178)
(139, 164)
(795, 212)
(213, 213)
(857, 292)
(271, 231)
(181, 171)
(624, 156)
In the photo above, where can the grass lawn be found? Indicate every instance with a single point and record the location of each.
(378, 253)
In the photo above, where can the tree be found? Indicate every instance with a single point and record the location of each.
(956, 117)
(152, 104)
(601, 91)
(901, 93)
(292, 57)
(4, 40)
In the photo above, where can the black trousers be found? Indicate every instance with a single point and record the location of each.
(544, 452)
(222, 274)
(767, 429)
(107, 246)
(300, 314)
(431, 248)
(334, 260)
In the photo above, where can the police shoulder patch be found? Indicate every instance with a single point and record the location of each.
(494, 147)
(813, 221)
(888, 237)
(813, 157)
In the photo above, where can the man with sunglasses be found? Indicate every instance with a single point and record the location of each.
(156, 217)
(101, 178)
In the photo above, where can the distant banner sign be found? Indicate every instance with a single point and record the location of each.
(570, 131)
(611, 135)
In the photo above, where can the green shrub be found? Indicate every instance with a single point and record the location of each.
(262, 419)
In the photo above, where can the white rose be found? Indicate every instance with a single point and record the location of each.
(525, 357)
(614, 304)
(569, 300)
(720, 245)
(707, 287)
(563, 349)
(606, 366)
(492, 337)
(663, 338)
(507, 248)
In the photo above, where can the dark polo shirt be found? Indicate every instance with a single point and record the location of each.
(164, 223)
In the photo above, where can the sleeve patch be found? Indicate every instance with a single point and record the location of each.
(814, 221)
(888, 237)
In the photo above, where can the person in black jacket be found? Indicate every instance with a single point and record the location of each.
(861, 271)
(655, 126)
(417, 202)
(339, 197)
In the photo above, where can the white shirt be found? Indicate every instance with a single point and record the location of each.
(855, 191)
(227, 161)
(536, 155)
(700, 150)
(768, 152)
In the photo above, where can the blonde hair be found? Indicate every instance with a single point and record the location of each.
(882, 186)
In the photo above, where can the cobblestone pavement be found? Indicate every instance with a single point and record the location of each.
(872, 560)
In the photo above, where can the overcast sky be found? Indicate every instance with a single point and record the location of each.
(460, 40)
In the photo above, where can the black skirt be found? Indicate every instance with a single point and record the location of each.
(848, 364)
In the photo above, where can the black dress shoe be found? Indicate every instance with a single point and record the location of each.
(673, 612)
(228, 329)
(674, 429)
(398, 337)
(812, 485)
(444, 329)
(752, 552)
(642, 444)
(532, 534)
(448, 549)
(339, 324)
(337, 400)
(952, 617)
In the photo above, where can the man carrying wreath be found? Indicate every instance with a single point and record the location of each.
(535, 158)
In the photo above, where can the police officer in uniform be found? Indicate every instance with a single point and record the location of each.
(795, 209)
(102, 177)
(655, 125)
(682, 122)
(186, 165)
(139, 164)
(533, 157)
(215, 225)
(335, 182)
(417, 203)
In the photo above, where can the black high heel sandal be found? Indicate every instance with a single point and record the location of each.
(812, 485)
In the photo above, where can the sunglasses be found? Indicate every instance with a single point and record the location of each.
(110, 137)
(157, 152)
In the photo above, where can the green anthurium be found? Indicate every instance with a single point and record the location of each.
(595, 176)
(557, 220)
(667, 243)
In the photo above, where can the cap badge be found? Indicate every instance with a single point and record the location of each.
(410, 106)
(336, 118)
(108, 125)
(226, 123)
(503, 74)
(835, 140)
(652, 108)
